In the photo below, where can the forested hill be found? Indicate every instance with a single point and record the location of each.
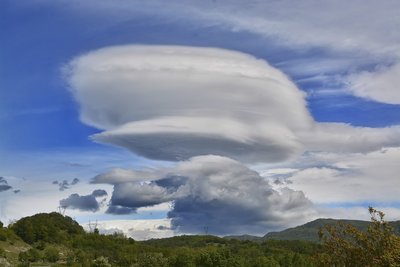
(309, 231)
(56, 240)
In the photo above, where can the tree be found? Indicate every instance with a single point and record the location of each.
(32, 255)
(52, 254)
(345, 245)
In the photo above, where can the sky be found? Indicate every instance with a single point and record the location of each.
(160, 118)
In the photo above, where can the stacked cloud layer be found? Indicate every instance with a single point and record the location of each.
(178, 103)
(172, 103)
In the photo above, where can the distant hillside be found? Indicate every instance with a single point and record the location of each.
(244, 237)
(309, 231)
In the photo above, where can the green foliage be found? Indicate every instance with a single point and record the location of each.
(51, 254)
(58, 241)
(309, 231)
(40, 245)
(154, 259)
(48, 227)
(3, 235)
(7, 235)
(2, 252)
(32, 255)
(101, 262)
(345, 245)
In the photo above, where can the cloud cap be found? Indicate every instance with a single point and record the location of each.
(189, 101)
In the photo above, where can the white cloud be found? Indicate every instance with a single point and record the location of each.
(350, 178)
(137, 229)
(26, 203)
(382, 85)
(218, 193)
(343, 25)
(172, 103)
(358, 25)
(356, 33)
(358, 213)
(119, 175)
(344, 138)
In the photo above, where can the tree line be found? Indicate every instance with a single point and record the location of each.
(60, 241)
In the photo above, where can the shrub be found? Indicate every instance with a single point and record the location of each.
(345, 245)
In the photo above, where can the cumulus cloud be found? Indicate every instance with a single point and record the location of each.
(218, 193)
(4, 185)
(382, 85)
(99, 193)
(83, 203)
(214, 101)
(120, 210)
(136, 229)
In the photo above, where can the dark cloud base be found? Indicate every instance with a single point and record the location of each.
(213, 193)
(84, 203)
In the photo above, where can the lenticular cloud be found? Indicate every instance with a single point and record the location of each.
(173, 103)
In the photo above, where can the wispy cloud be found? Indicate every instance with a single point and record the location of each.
(382, 84)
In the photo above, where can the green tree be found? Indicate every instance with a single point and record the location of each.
(51, 254)
(32, 255)
(151, 260)
(345, 245)
(49, 227)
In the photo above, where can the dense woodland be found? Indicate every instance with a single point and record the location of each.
(56, 240)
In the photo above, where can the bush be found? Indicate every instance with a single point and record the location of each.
(3, 235)
(32, 255)
(345, 245)
(51, 254)
(2, 253)
(101, 262)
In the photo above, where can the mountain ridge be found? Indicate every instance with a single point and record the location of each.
(309, 230)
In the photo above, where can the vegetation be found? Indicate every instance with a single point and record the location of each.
(309, 231)
(46, 227)
(345, 245)
(55, 240)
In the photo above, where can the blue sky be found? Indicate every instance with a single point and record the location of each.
(329, 55)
